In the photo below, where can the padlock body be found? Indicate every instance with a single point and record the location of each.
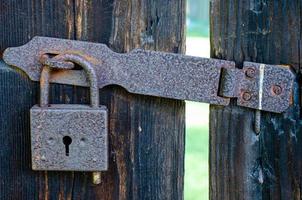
(69, 137)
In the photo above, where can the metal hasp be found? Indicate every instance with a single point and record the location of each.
(257, 86)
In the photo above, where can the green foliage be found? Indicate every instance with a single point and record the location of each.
(198, 29)
(198, 18)
(197, 136)
(196, 163)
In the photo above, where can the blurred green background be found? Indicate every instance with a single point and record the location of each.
(197, 114)
(198, 18)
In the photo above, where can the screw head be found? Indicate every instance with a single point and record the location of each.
(250, 72)
(276, 89)
(246, 96)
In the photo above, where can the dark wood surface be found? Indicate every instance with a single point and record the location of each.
(242, 164)
(146, 133)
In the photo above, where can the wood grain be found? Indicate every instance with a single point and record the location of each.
(244, 165)
(146, 133)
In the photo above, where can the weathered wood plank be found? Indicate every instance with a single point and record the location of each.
(148, 25)
(21, 20)
(93, 20)
(146, 133)
(244, 165)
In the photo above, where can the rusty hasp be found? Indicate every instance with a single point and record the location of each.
(257, 86)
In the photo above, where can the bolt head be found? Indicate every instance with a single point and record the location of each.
(246, 96)
(250, 72)
(276, 89)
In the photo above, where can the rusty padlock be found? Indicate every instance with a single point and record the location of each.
(69, 137)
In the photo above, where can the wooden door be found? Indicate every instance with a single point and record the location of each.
(146, 133)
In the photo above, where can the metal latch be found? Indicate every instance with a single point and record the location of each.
(257, 86)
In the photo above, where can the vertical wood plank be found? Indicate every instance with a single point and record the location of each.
(21, 20)
(146, 133)
(244, 165)
(148, 25)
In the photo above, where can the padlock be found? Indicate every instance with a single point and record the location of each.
(69, 137)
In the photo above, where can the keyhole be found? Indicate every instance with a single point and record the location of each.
(67, 141)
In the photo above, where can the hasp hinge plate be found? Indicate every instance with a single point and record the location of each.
(257, 86)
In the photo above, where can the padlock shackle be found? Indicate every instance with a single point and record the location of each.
(91, 74)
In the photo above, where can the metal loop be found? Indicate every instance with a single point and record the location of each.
(45, 77)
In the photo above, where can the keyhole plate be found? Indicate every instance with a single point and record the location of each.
(69, 138)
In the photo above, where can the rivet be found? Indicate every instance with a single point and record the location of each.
(50, 141)
(83, 141)
(276, 89)
(43, 158)
(246, 96)
(250, 72)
